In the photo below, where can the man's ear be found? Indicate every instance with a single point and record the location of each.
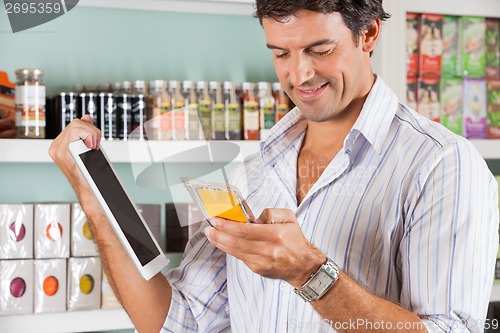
(370, 36)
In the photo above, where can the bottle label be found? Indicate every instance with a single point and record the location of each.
(233, 117)
(218, 119)
(251, 115)
(30, 106)
(268, 116)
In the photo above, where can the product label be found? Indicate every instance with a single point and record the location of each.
(451, 115)
(234, 117)
(251, 115)
(193, 122)
(268, 116)
(30, 106)
(218, 118)
(473, 46)
(493, 114)
(206, 117)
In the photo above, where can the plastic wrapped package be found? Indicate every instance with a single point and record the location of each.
(16, 231)
(109, 300)
(82, 240)
(16, 287)
(219, 200)
(50, 285)
(52, 230)
(84, 283)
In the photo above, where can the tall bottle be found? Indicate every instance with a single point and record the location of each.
(193, 129)
(178, 111)
(282, 101)
(250, 112)
(140, 110)
(218, 111)
(232, 107)
(124, 111)
(267, 109)
(160, 105)
(205, 109)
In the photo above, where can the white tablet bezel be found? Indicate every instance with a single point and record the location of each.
(155, 265)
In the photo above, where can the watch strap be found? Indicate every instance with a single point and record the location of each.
(331, 270)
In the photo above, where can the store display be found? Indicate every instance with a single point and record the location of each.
(84, 283)
(82, 240)
(451, 115)
(16, 231)
(50, 285)
(473, 50)
(30, 104)
(493, 108)
(16, 287)
(474, 106)
(52, 230)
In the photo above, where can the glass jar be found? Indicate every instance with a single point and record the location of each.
(30, 104)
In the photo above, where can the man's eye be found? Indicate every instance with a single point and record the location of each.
(323, 53)
(280, 55)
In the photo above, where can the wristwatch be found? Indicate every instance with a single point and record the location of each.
(320, 282)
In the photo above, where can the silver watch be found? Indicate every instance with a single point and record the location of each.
(320, 282)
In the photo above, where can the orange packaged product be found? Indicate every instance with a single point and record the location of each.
(7, 97)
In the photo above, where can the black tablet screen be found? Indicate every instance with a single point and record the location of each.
(120, 205)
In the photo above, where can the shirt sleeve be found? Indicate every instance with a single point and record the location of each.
(199, 294)
(450, 240)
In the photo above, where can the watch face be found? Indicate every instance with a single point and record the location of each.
(320, 281)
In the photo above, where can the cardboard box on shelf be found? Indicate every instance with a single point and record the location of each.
(412, 44)
(16, 231)
(431, 44)
(449, 60)
(52, 230)
(474, 108)
(451, 115)
(473, 60)
(16, 287)
(492, 55)
(493, 114)
(428, 97)
(82, 240)
(84, 283)
(7, 97)
(50, 285)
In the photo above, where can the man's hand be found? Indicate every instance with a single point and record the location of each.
(76, 130)
(274, 247)
(7, 128)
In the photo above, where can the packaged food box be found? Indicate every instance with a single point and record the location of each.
(16, 286)
(108, 298)
(473, 49)
(84, 283)
(451, 28)
(428, 97)
(492, 55)
(431, 44)
(451, 115)
(412, 44)
(52, 230)
(50, 285)
(411, 92)
(474, 108)
(493, 109)
(16, 231)
(82, 240)
(7, 97)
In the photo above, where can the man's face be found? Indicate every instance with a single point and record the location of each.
(319, 65)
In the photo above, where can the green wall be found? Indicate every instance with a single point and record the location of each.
(93, 45)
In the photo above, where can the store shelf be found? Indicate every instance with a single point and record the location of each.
(226, 7)
(36, 151)
(458, 7)
(81, 321)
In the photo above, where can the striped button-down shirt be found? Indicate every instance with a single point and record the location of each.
(406, 208)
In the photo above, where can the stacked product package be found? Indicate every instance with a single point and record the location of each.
(453, 72)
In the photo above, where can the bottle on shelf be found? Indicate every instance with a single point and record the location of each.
(193, 130)
(267, 108)
(218, 109)
(178, 111)
(30, 104)
(250, 112)
(205, 108)
(282, 101)
(232, 112)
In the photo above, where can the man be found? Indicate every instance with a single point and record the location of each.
(371, 217)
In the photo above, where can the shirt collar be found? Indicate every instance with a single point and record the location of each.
(373, 123)
(376, 116)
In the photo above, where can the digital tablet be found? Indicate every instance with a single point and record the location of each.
(121, 212)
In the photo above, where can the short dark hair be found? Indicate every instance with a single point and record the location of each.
(357, 14)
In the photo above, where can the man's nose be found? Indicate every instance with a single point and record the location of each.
(301, 70)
